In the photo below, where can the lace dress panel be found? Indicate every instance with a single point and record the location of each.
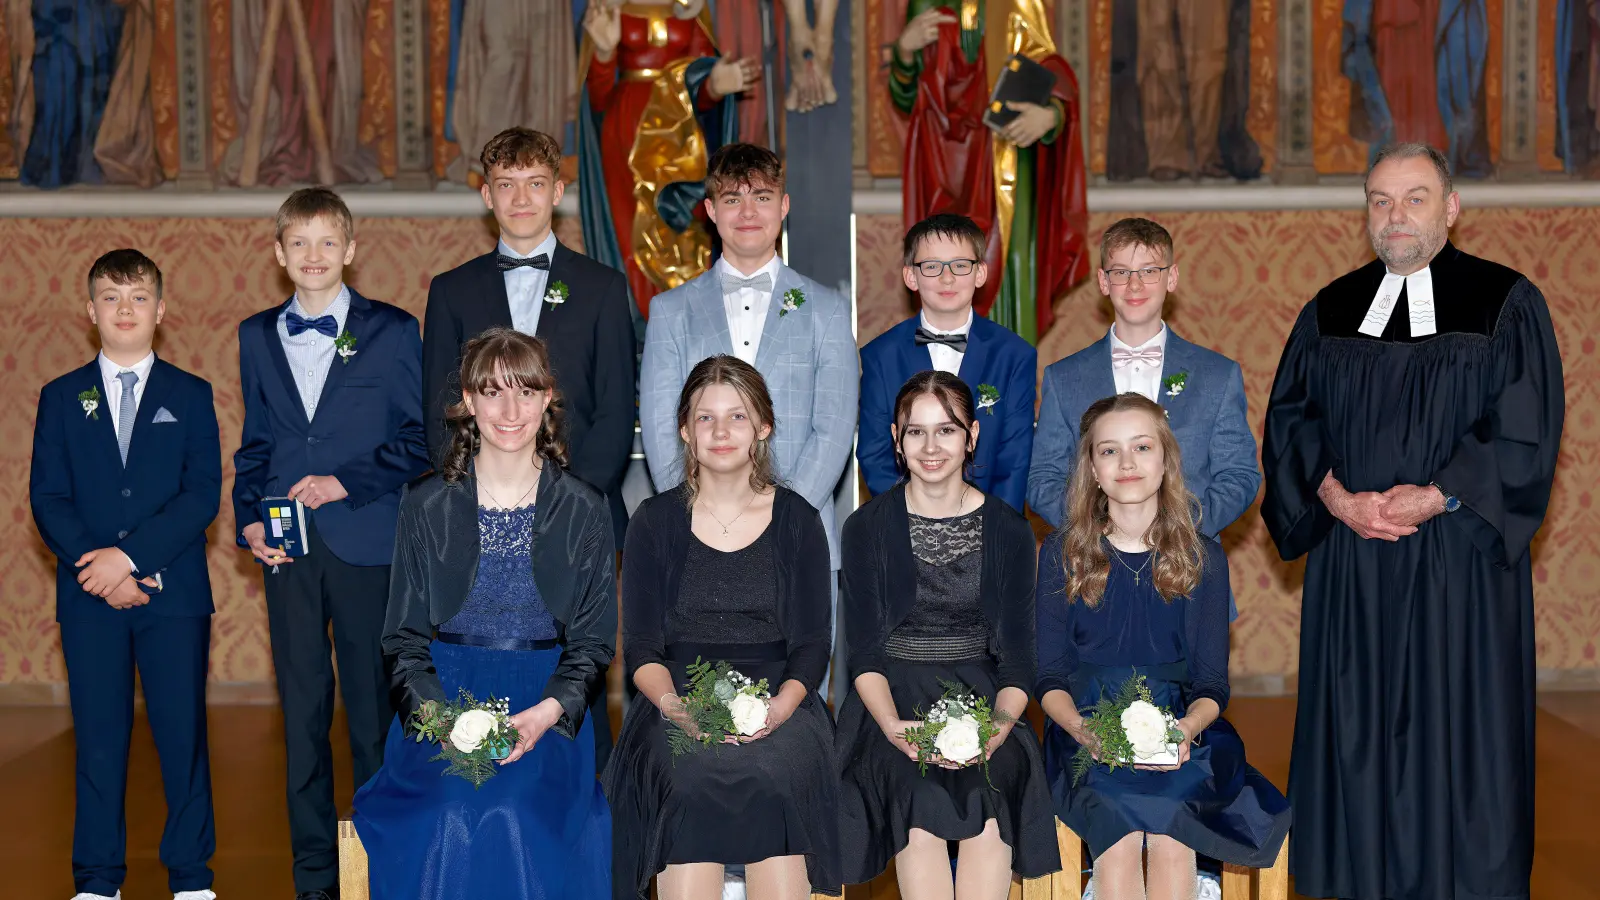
(504, 601)
(946, 622)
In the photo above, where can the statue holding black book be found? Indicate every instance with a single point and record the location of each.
(1014, 166)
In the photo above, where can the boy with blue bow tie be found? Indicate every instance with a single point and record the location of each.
(127, 472)
(943, 264)
(332, 385)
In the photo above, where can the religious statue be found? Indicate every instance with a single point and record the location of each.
(1024, 185)
(656, 103)
(808, 82)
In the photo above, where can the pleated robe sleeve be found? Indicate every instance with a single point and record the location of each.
(1297, 450)
(1503, 467)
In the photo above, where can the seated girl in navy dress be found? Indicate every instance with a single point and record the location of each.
(1130, 586)
(503, 585)
(938, 587)
(731, 567)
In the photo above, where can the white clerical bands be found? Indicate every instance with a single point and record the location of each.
(1419, 301)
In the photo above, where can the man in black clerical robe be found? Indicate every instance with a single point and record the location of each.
(1411, 439)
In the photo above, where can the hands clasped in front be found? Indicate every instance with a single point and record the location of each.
(1389, 515)
(895, 731)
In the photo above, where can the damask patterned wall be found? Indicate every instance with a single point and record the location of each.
(1245, 275)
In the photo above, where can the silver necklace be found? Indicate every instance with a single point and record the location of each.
(1136, 572)
(960, 502)
(483, 484)
(729, 524)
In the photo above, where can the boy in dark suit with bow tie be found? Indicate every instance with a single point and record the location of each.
(127, 474)
(944, 266)
(332, 385)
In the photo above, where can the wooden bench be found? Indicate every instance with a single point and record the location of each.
(1238, 883)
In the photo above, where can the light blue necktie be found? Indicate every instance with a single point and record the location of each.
(125, 409)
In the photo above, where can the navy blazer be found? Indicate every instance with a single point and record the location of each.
(1208, 418)
(156, 509)
(995, 356)
(367, 432)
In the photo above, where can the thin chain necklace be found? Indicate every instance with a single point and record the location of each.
(960, 502)
(1125, 565)
(485, 486)
(729, 524)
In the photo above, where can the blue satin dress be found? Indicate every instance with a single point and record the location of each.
(540, 828)
(1216, 804)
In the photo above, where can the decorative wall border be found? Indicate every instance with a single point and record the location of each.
(1072, 33)
(411, 90)
(1296, 152)
(1519, 102)
(194, 112)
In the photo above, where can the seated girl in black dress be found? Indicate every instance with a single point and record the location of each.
(938, 586)
(1129, 585)
(728, 566)
(502, 585)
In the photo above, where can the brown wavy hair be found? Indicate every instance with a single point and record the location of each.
(742, 377)
(952, 394)
(1173, 535)
(501, 358)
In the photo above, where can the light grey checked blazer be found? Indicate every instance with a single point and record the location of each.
(808, 359)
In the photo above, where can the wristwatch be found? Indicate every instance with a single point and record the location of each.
(1451, 501)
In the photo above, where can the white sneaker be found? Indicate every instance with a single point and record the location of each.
(117, 896)
(194, 895)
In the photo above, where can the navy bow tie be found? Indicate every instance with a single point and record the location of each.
(507, 263)
(956, 342)
(299, 324)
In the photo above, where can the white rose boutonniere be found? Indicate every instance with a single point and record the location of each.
(345, 344)
(90, 401)
(988, 397)
(793, 299)
(557, 294)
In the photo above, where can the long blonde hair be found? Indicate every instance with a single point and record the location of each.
(752, 389)
(1172, 535)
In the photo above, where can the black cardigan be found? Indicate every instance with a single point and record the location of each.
(879, 584)
(652, 568)
(436, 560)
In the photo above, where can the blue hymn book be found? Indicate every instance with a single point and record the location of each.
(286, 525)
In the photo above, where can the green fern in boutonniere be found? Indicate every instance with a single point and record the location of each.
(345, 344)
(557, 294)
(793, 299)
(90, 401)
(988, 396)
(1175, 383)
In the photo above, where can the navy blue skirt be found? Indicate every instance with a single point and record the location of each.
(539, 829)
(1215, 804)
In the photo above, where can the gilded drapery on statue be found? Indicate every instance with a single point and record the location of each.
(1031, 201)
(647, 124)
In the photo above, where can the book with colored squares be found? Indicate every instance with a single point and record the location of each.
(286, 524)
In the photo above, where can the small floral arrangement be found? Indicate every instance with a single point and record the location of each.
(1175, 383)
(720, 702)
(90, 401)
(1130, 729)
(988, 396)
(793, 299)
(557, 294)
(472, 734)
(345, 344)
(956, 728)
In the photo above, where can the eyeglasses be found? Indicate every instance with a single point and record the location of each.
(1148, 274)
(933, 268)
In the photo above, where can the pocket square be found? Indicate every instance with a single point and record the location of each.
(163, 416)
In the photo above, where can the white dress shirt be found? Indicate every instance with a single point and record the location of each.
(108, 374)
(946, 358)
(525, 285)
(1139, 377)
(1419, 303)
(311, 352)
(746, 309)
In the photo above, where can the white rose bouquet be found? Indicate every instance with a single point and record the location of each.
(472, 734)
(956, 728)
(720, 703)
(1130, 729)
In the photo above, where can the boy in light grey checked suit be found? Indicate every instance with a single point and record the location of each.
(750, 305)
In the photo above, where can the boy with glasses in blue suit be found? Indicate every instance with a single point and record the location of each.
(943, 264)
(127, 475)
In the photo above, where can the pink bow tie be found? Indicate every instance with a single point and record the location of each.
(1121, 359)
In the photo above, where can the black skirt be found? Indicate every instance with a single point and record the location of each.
(777, 796)
(882, 795)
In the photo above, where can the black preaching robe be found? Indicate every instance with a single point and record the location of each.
(1412, 773)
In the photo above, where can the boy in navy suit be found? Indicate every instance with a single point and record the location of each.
(944, 266)
(127, 475)
(332, 387)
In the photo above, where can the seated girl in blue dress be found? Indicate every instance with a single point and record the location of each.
(1129, 585)
(503, 585)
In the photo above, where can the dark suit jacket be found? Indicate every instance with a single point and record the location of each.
(995, 356)
(156, 509)
(367, 432)
(436, 560)
(878, 584)
(591, 343)
(652, 569)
